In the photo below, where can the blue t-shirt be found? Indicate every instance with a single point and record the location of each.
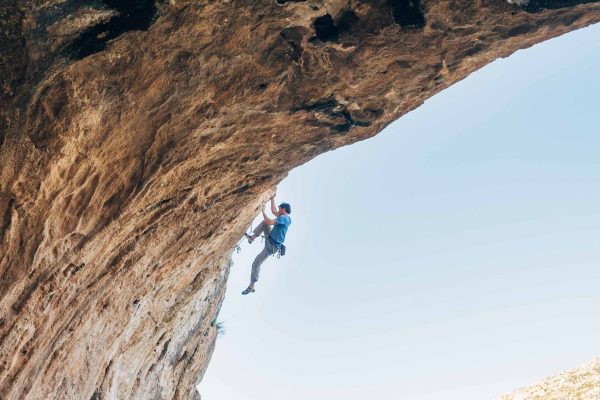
(280, 229)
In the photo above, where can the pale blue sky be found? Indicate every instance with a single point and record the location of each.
(456, 255)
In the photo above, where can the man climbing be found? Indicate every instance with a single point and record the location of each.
(274, 230)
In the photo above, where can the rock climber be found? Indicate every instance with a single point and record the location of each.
(274, 230)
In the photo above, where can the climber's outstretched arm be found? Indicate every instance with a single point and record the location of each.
(273, 208)
(268, 220)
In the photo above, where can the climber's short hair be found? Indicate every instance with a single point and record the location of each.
(287, 207)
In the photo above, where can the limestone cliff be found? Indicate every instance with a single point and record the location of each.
(137, 138)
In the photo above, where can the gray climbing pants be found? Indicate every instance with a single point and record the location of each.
(266, 251)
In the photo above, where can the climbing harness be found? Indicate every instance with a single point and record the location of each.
(280, 250)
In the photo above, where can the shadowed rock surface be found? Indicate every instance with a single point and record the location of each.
(137, 139)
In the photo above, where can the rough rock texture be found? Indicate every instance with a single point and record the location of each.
(137, 139)
(582, 383)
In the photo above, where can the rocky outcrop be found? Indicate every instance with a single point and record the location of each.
(582, 383)
(137, 139)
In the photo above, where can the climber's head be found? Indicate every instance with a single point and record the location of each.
(284, 208)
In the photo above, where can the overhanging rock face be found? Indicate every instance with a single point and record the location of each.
(137, 139)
